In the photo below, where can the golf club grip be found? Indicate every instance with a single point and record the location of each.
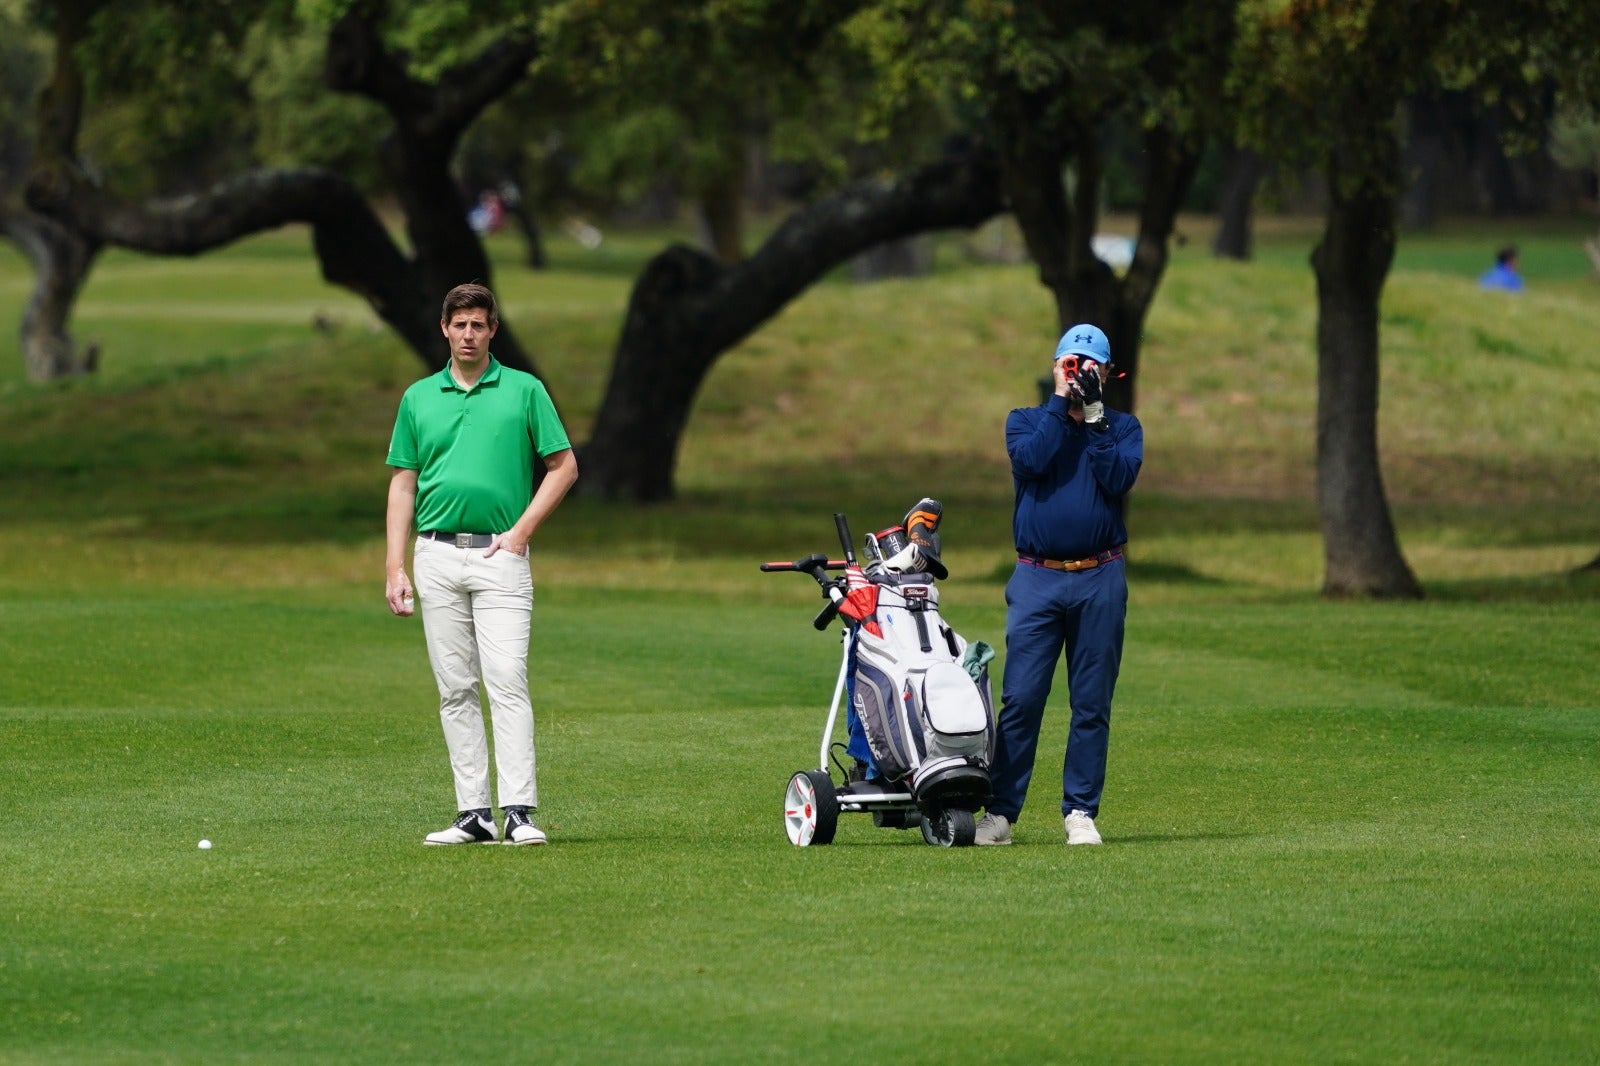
(843, 527)
(828, 613)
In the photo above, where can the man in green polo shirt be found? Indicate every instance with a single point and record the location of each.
(463, 450)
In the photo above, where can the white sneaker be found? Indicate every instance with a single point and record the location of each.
(993, 829)
(1080, 829)
(520, 830)
(470, 827)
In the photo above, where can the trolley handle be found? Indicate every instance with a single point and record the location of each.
(834, 590)
(805, 565)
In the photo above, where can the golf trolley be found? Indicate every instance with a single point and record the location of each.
(920, 718)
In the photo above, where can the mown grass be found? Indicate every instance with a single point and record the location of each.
(1336, 831)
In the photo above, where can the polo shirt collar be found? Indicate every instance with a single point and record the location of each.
(448, 382)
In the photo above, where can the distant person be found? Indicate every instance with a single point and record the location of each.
(488, 215)
(463, 449)
(1503, 275)
(1073, 461)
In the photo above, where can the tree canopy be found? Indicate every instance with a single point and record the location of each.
(174, 127)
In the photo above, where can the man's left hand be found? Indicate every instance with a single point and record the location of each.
(506, 542)
(1086, 389)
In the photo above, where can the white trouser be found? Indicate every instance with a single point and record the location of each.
(476, 613)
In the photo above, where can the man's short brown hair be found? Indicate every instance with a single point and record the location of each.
(470, 295)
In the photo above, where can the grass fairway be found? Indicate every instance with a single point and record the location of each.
(1335, 831)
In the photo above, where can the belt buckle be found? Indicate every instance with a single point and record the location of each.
(463, 540)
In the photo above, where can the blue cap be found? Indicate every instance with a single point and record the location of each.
(1085, 339)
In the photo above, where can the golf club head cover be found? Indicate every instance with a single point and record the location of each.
(907, 560)
(922, 530)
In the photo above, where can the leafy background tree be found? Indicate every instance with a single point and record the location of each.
(1322, 83)
(174, 127)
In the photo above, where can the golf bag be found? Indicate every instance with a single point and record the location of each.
(920, 692)
(919, 716)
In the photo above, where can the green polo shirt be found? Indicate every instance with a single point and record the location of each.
(473, 449)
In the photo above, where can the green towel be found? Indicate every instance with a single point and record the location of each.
(977, 657)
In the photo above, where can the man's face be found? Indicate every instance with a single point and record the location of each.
(469, 332)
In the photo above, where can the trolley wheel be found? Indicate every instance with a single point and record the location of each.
(811, 809)
(950, 829)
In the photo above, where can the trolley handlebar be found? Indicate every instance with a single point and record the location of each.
(817, 566)
(804, 566)
(829, 612)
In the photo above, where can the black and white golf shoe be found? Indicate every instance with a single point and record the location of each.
(470, 827)
(520, 828)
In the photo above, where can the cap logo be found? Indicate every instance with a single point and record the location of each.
(1082, 338)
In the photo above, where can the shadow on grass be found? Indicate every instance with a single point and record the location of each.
(1543, 588)
(1140, 839)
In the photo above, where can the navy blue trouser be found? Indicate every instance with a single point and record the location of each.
(1047, 611)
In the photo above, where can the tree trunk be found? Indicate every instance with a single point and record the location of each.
(429, 121)
(351, 243)
(722, 216)
(1171, 163)
(61, 259)
(1509, 185)
(1236, 207)
(521, 211)
(534, 255)
(1426, 156)
(1059, 231)
(661, 359)
(686, 310)
(1360, 550)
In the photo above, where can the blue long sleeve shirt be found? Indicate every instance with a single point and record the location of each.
(1070, 481)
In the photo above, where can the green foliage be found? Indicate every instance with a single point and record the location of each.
(1317, 78)
(22, 67)
(298, 122)
(1158, 63)
(1575, 139)
(166, 78)
(676, 92)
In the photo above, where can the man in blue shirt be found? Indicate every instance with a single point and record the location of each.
(1073, 462)
(1503, 275)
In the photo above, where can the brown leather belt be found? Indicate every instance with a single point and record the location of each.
(1072, 564)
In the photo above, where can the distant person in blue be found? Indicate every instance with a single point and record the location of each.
(1503, 275)
(1073, 461)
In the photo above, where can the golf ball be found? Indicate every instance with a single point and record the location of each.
(205, 845)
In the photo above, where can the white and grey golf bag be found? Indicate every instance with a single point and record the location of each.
(922, 696)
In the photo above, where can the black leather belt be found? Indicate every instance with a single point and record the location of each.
(460, 540)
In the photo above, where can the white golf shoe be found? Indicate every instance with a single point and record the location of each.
(521, 830)
(993, 829)
(1080, 828)
(470, 827)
